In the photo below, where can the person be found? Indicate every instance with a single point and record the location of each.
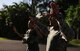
(56, 40)
(66, 29)
(43, 18)
(37, 34)
(31, 37)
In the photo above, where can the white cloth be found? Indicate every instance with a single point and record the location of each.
(50, 37)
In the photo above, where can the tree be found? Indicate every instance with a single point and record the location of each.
(18, 14)
(72, 18)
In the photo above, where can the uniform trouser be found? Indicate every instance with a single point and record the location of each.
(33, 47)
(56, 44)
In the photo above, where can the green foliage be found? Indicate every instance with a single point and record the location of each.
(75, 42)
(3, 38)
(73, 17)
(70, 15)
(18, 14)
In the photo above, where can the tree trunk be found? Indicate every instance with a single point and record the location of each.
(79, 1)
(33, 7)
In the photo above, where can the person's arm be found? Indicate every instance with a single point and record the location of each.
(14, 29)
(38, 31)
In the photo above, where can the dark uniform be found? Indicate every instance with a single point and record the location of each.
(33, 41)
(56, 41)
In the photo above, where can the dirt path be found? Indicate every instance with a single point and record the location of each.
(11, 45)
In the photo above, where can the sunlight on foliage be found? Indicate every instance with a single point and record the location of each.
(3, 39)
(75, 42)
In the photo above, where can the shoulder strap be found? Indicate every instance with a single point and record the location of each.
(60, 30)
(59, 25)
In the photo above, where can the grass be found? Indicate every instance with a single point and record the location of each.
(3, 38)
(75, 42)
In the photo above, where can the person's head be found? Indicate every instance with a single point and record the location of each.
(51, 2)
(43, 9)
(54, 8)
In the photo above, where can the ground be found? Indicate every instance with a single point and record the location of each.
(15, 45)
